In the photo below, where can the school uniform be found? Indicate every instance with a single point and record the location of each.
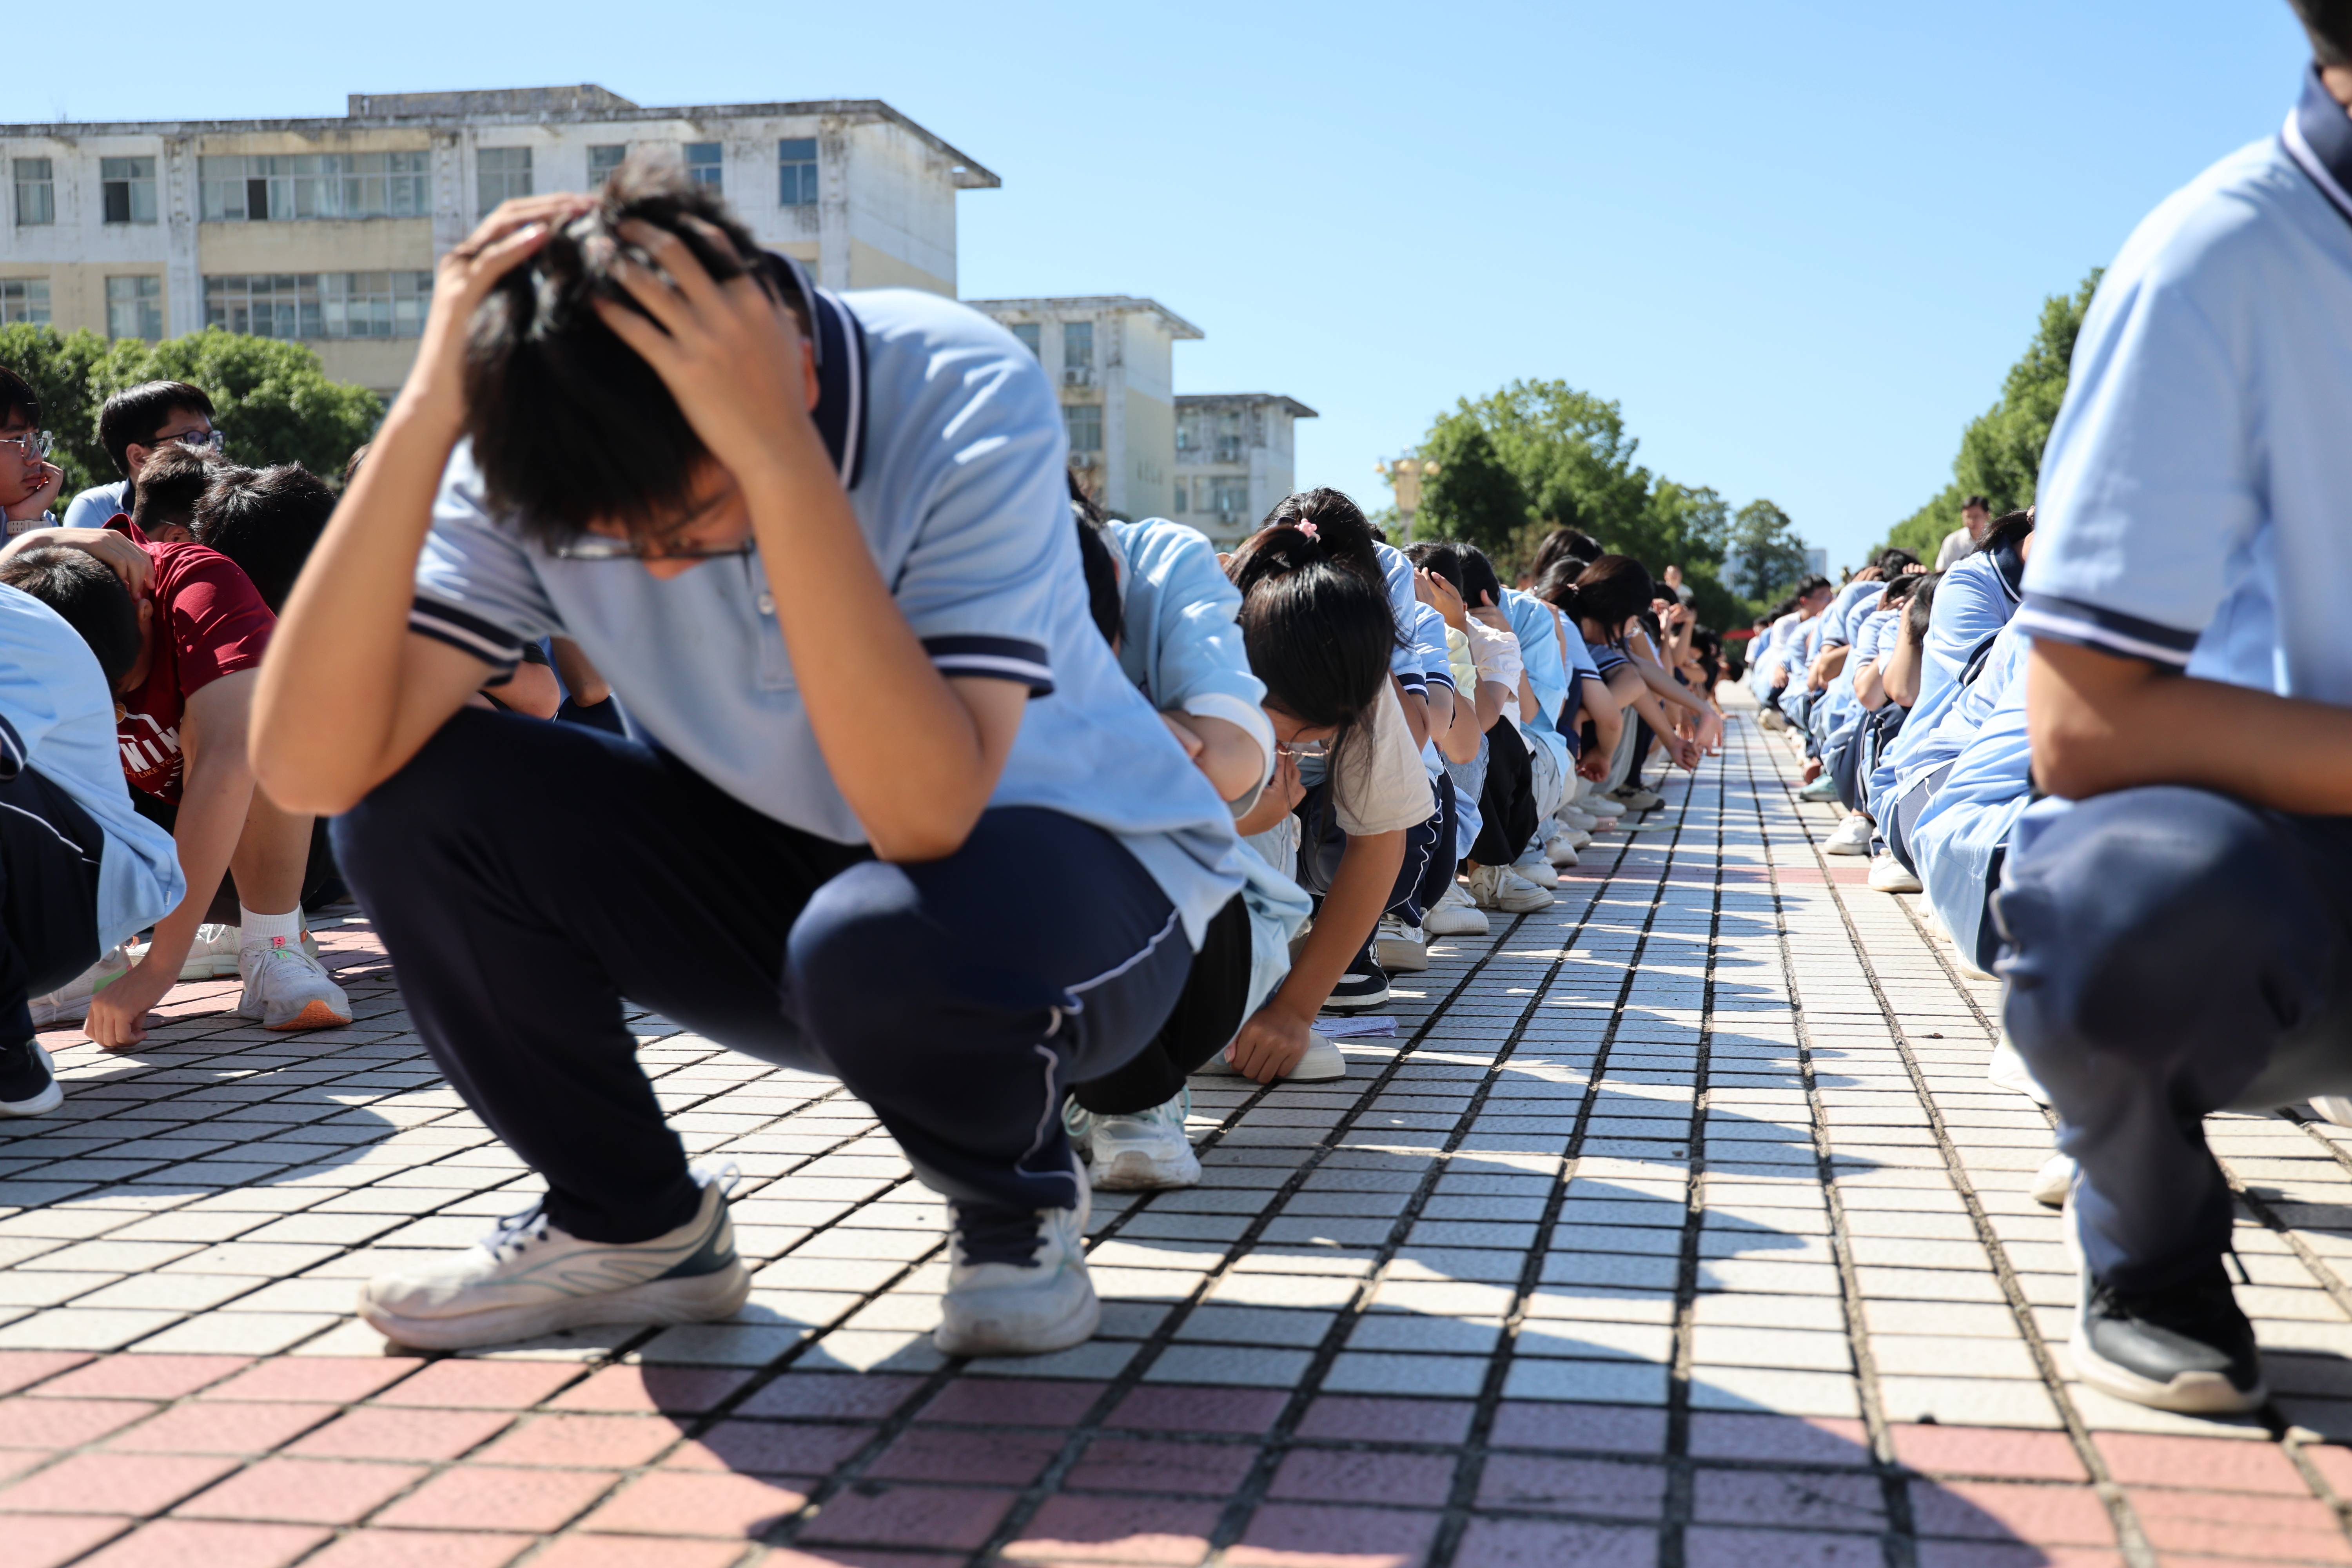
(99, 505)
(1973, 601)
(1940, 743)
(1843, 617)
(1542, 651)
(1854, 749)
(1961, 840)
(527, 877)
(2174, 951)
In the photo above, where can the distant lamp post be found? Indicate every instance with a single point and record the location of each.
(1405, 474)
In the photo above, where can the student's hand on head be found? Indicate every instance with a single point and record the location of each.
(133, 564)
(118, 1015)
(1269, 1046)
(1439, 595)
(464, 278)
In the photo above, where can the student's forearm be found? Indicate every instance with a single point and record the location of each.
(1666, 687)
(1488, 702)
(2100, 723)
(1359, 893)
(1230, 756)
(214, 797)
(581, 678)
(1868, 687)
(1898, 673)
(1526, 695)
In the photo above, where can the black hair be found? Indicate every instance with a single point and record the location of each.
(84, 592)
(267, 520)
(131, 417)
(17, 396)
(1707, 648)
(1442, 556)
(1892, 561)
(1807, 588)
(2004, 531)
(172, 481)
(1337, 527)
(1977, 501)
(1480, 583)
(1901, 588)
(1320, 636)
(1610, 591)
(1101, 569)
(1571, 543)
(570, 426)
(1916, 613)
(2328, 24)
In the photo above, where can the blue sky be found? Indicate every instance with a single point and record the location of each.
(1798, 242)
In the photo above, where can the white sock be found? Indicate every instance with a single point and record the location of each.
(261, 930)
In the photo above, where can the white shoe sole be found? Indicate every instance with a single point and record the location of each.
(1398, 955)
(2189, 1394)
(2052, 1182)
(1364, 1003)
(41, 1104)
(2008, 1070)
(699, 1299)
(1140, 1171)
(1453, 925)
(983, 1338)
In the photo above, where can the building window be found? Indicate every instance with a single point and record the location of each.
(134, 308)
(1078, 345)
(603, 161)
(1027, 332)
(128, 185)
(1086, 426)
(1183, 496)
(37, 192)
(705, 163)
(1229, 497)
(24, 300)
(501, 174)
(1187, 433)
(319, 304)
(284, 188)
(796, 171)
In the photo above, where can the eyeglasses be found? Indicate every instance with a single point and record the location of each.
(605, 547)
(203, 441)
(1301, 750)
(31, 444)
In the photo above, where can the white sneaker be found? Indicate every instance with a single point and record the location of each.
(1401, 947)
(1887, 875)
(1823, 787)
(1603, 812)
(1851, 837)
(2332, 1109)
(71, 1000)
(285, 988)
(2007, 1069)
(2053, 1181)
(1634, 798)
(1323, 1063)
(1561, 847)
(214, 954)
(528, 1278)
(1018, 1285)
(1771, 719)
(1454, 915)
(1511, 875)
(1148, 1151)
(1493, 888)
(1575, 819)
(1535, 867)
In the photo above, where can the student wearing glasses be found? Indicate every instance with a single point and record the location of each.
(133, 426)
(29, 482)
(887, 809)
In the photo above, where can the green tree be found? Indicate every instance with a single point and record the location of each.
(1767, 557)
(271, 399)
(2000, 450)
(1471, 496)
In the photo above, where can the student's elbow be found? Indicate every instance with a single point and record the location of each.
(918, 835)
(299, 784)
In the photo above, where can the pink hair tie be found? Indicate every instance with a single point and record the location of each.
(1309, 530)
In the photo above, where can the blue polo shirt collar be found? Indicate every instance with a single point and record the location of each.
(2318, 137)
(840, 342)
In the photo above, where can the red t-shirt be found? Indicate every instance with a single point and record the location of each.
(209, 621)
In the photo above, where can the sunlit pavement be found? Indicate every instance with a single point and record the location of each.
(1677, 1224)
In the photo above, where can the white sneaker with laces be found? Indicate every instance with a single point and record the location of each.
(528, 1278)
(1018, 1283)
(1535, 867)
(1561, 847)
(1146, 1152)
(71, 1000)
(1887, 875)
(214, 954)
(1454, 915)
(2053, 1181)
(1400, 948)
(1493, 887)
(1851, 837)
(285, 988)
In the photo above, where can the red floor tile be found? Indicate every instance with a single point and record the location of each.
(325, 1380)
(1780, 1439)
(670, 1502)
(303, 1491)
(1142, 1464)
(633, 1390)
(2017, 1554)
(1013, 1402)
(2011, 1510)
(1296, 1535)
(112, 1483)
(1794, 1499)
(193, 1544)
(1611, 1489)
(1595, 1428)
(2202, 1464)
(770, 1448)
(133, 1375)
(638, 1552)
(197, 1427)
(968, 1458)
(373, 1433)
(20, 1368)
(1349, 1419)
(420, 1549)
(1247, 1411)
(842, 1395)
(1709, 1546)
(29, 1423)
(1157, 1530)
(484, 1497)
(1522, 1543)
(2239, 1524)
(611, 1442)
(1998, 1453)
(461, 1384)
(1326, 1474)
(43, 1541)
(938, 1517)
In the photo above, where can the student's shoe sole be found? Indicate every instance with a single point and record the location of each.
(314, 1016)
(1399, 956)
(977, 1338)
(41, 1104)
(1358, 1004)
(1133, 1171)
(698, 1299)
(2051, 1183)
(2189, 1393)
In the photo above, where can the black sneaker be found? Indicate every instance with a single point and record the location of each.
(27, 1085)
(1366, 984)
(2185, 1347)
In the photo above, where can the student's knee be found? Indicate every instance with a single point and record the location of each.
(862, 969)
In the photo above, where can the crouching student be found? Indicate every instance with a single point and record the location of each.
(1167, 609)
(2179, 912)
(887, 809)
(79, 871)
(185, 708)
(1868, 710)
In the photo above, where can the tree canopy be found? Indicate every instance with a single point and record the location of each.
(1767, 558)
(2000, 450)
(271, 399)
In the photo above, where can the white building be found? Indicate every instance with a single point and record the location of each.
(1235, 459)
(327, 230)
(1113, 357)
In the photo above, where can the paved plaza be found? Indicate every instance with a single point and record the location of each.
(1676, 1225)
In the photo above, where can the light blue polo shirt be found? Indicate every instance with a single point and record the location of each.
(1959, 840)
(1839, 620)
(1180, 642)
(2196, 495)
(952, 448)
(94, 507)
(1532, 622)
(1422, 660)
(1973, 601)
(56, 718)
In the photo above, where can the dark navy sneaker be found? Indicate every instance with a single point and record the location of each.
(28, 1084)
(2184, 1347)
(1366, 984)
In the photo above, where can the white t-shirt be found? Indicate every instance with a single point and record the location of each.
(1378, 784)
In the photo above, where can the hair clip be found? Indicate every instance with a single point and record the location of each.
(1309, 530)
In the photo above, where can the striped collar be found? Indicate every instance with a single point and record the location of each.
(2318, 136)
(840, 343)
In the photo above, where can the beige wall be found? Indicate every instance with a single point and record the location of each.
(872, 268)
(1150, 456)
(380, 365)
(351, 244)
(78, 291)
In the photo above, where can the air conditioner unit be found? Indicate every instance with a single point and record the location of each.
(1077, 375)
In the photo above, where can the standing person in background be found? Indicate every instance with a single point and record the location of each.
(1674, 580)
(1976, 516)
(133, 426)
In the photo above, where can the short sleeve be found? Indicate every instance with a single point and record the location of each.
(1377, 783)
(1429, 639)
(217, 621)
(1192, 646)
(477, 589)
(2149, 482)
